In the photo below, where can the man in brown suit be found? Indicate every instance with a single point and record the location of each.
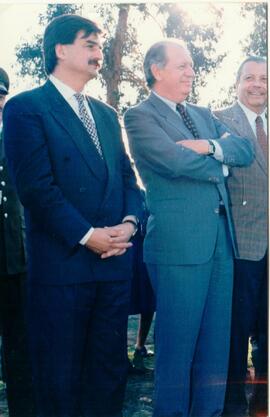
(248, 194)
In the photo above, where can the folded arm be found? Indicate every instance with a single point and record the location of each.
(151, 145)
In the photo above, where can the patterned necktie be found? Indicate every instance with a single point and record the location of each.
(88, 122)
(187, 120)
(261, 135)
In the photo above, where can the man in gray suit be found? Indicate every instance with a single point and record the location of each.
(248, 193)
(189, 240)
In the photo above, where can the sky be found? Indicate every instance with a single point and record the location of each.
(19, 22)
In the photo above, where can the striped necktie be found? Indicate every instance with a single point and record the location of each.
(88, 122)
(261, 135)
(187, 120)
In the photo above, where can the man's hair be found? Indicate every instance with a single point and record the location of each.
(258, 59)
(63, 30)
(4, 81)
(156, 54)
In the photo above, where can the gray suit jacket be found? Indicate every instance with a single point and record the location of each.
(183, 188)
(248, 189)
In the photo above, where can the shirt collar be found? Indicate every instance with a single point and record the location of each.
(66, 91)
(169, 103)
(251, 115)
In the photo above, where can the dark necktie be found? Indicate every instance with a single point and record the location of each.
(261, 135)
(187, 120)
(88, 122)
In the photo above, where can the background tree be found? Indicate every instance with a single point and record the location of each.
(122, 58)
(201, 41)
(122, 78)
(29, 55)
(256, 42)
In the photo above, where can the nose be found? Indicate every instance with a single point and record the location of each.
(190, 72)
(99, 54)
(257, 82)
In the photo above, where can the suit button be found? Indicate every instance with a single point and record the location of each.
(3, 183)
(216, 210)
(4, 198)
(244, 203)
(5, 215)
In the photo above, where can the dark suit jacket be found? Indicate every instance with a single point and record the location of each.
(64, 185)
(183, 188)
(248, 191)
(12, 251)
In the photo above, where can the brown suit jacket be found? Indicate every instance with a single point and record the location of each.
(248, 189)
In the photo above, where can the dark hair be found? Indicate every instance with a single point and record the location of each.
(156, 54)
(4, 81)
(63, 30)
(258, 59)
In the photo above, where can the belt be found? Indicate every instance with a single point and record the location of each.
(222, 210)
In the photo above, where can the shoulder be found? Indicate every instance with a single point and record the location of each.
(143, 107)
(25, 100)
(100, 105)
(229, 111)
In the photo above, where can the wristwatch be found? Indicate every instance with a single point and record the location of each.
(211, 148)
(135, 224)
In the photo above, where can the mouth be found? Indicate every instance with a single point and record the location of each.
(256, 94)
(95, 64)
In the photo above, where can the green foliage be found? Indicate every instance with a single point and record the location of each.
(201, 41)
(256, 42)
(29, 55)
(122, 73)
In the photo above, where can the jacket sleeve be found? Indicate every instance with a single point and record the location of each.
(237, 150)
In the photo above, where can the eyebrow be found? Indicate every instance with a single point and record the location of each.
(89, 42)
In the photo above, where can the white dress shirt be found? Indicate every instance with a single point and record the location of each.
(251, 116)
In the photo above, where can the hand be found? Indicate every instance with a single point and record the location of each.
(126, 230)
(102, 240)
(200, 146)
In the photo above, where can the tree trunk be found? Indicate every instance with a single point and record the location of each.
(112, 73)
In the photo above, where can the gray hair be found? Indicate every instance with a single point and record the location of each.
(156, 54)
(258, 59)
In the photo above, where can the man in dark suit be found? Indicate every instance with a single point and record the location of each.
(81, 207)
(248, 189)
(189, 240)
(15, 359)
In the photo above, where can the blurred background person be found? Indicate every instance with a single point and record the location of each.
(15, 360)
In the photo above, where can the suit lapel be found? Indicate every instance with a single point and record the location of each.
(67, 118)
(243, 127)
(169, 115)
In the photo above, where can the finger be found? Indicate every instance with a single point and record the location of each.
(109, 253)
(120, 252)
(120, 239)
(113, 232)
(121, 245)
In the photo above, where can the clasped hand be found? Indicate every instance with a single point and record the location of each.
(111, 241)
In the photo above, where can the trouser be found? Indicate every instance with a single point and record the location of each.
(16, 364)
(193, 333)
(78, 339)
(249, 313)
